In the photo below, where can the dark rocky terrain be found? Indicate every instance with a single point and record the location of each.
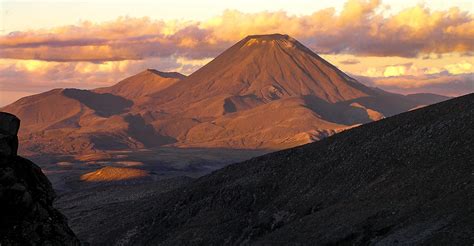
(406, 180)
(26, 196)
(94, 212)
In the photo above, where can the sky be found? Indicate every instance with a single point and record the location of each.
(404, 46)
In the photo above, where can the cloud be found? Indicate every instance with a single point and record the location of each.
(34, 76)
(391, 71)
(459, 68)
(409, 69)
(350, 62)
(441, 83)
(123, 39)
(361, 28)
(450, 79)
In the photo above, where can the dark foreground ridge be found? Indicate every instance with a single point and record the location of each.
(406, 179)
(26, 196)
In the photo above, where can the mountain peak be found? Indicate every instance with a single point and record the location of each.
(282, 40)
(273, 36)
(141, 84)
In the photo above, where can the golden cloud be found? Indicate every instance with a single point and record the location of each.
(409, 69)
(440, 83)
(360, 28)
(459, 68)
(35, 75)
(450, 79)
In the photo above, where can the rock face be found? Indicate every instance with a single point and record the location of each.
(403, 180)
(9, 126)
(26, 196)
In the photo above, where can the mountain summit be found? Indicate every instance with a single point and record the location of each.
(264, 68)
(264, 92)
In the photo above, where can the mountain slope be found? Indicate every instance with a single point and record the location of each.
(282, 123)
(62, 107)
(81, 121)
(406, 179)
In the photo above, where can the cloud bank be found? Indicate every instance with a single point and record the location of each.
(361, 28)
(443, 84)
(89, 55)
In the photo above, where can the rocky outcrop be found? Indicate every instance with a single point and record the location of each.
(26, 196)
(9, 125)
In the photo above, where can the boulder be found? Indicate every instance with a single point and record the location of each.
(9, 123)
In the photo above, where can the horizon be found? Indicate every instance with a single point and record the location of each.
(432, 51)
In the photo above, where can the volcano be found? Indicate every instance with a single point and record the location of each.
(268, 91)
(264, 68)
(264, 92)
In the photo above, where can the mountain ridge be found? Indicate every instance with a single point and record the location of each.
(219, 106)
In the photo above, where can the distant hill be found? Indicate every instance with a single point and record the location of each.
(72, 121)
(142, 84)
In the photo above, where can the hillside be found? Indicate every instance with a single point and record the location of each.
(72, 121)
(402, 180)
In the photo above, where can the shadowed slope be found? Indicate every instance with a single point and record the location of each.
(389, 104)
(40, 111)
(104, 105)
(406, 179)
(60, 108)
